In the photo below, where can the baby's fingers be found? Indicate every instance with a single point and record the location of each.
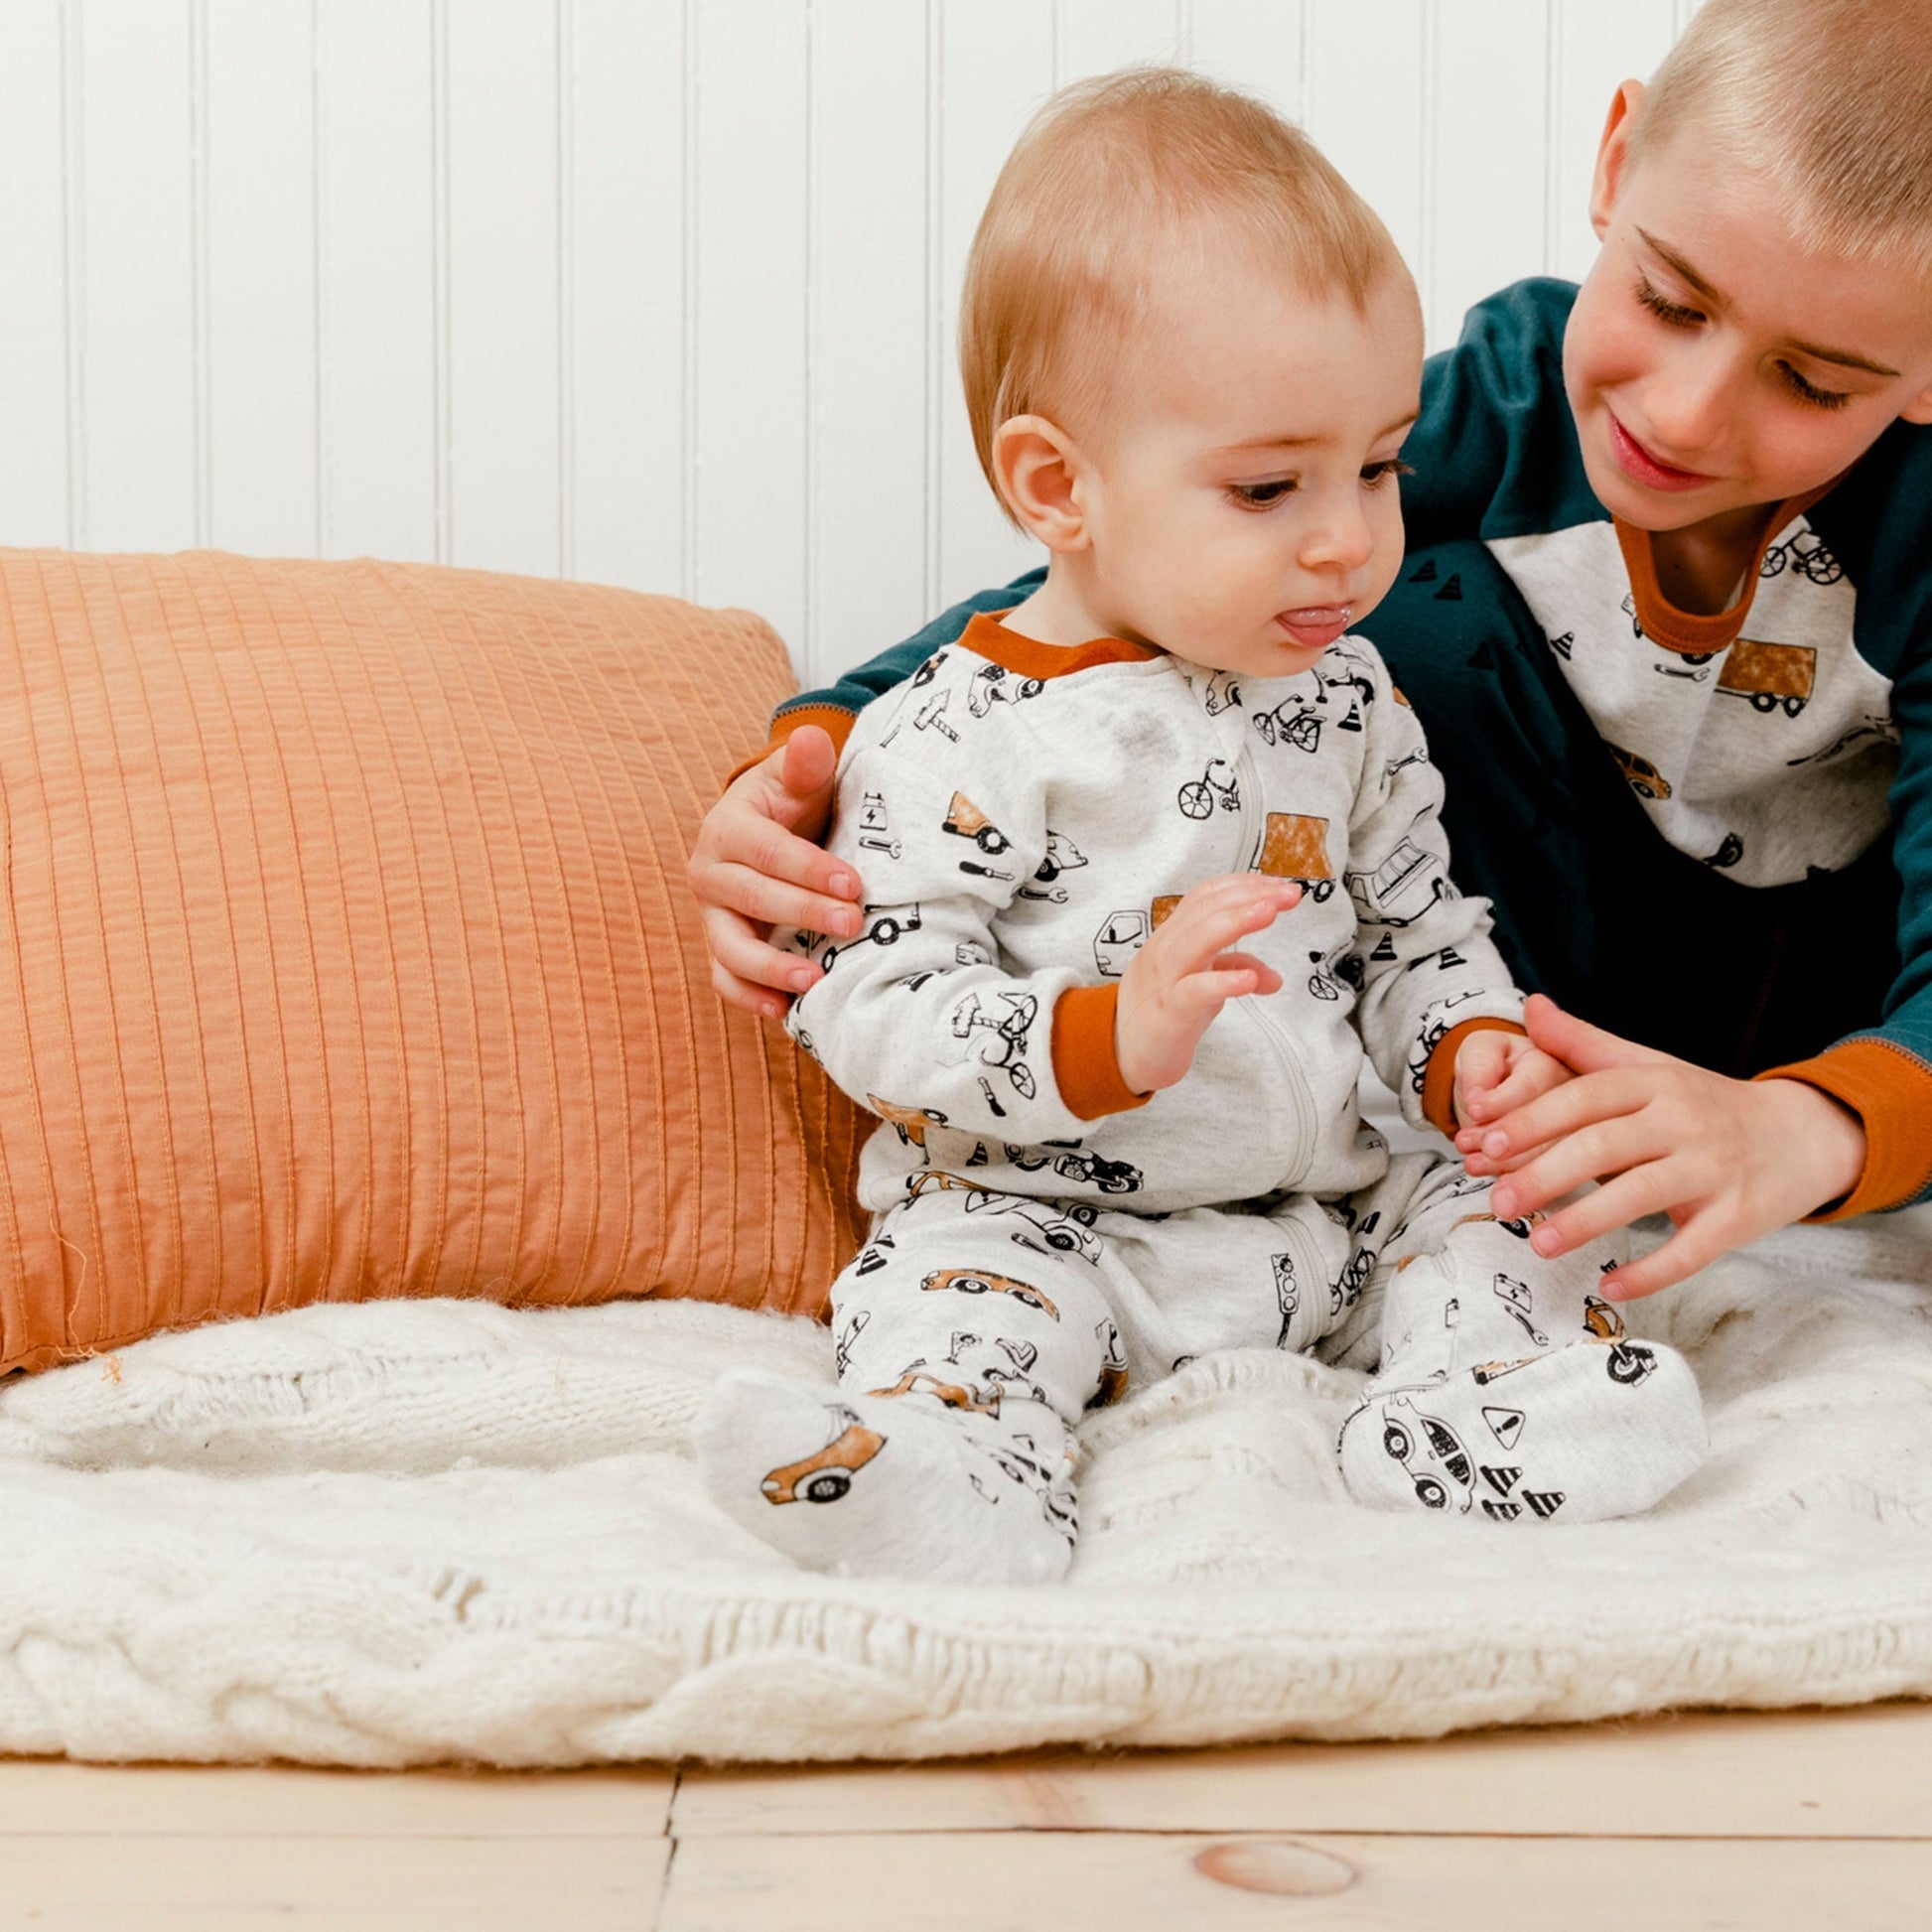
(1266, 979)
(1196, 999)
(1534, 1075)
(1203, 929)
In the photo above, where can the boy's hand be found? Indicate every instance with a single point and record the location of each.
(1184, 975)
(1726, 1160)
(1495, 1072)
(755, 864)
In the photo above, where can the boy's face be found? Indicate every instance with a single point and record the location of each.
(1241, 503)
(1713, 364)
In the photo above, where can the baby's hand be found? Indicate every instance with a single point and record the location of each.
(1496, 1071)
(1182, 976)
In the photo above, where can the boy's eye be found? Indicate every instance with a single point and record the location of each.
(1258, 496)
(1677, 314)
(1810, 392)
(1376, 473)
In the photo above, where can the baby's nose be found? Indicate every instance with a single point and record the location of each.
(1342, 540)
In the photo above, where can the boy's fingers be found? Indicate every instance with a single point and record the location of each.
(1484, 1167)
(1591, 1154)
(806, 764)
(772, 901)
(1697, 1244)
(1630, 1195)
(737, 948)
(1579, 1044)
(769, 849)
(1566, 1109)
(760, 1000)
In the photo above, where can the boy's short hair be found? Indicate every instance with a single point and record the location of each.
(1828, 102)
(1063, 262)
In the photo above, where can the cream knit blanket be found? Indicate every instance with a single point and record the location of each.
(400, 1533)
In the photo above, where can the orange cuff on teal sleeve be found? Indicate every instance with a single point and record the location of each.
(1890, 1090)
(1086, 1065)
(1438, 1082)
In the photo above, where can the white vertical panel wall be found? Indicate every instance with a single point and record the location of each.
(655, 292)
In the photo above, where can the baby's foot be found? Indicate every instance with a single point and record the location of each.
(1589, 1431)
(900, 1485)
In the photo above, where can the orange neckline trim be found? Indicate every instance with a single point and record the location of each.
(1028, 657)
(1693, 634)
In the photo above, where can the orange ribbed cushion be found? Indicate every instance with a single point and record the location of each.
(346, 952)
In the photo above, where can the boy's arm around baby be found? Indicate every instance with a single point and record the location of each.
(916, 1015)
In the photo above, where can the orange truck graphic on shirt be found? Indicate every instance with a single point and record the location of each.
(965, 820)
(1639, 774)
(1769, 675)
(1295, 845)
(912, 1122)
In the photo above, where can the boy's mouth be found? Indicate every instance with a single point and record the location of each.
(1317, 626)
(1640, 466)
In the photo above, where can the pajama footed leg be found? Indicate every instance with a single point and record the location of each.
(1509, 1389)
(900, 1485)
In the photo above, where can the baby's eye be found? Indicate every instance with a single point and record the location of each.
(1810, 392)
(1374, 474)
(1677, 314)
(1258, 496)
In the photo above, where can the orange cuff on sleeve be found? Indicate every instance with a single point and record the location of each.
(1890, 1090)
(1085, 1065)
(1438, 1082)
(827, 717)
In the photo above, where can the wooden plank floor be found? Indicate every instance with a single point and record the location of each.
(1790, 1822)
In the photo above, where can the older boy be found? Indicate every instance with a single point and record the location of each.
(1110, 1142)
(1667, 616)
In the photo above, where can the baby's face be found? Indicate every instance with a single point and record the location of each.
(1241, 500)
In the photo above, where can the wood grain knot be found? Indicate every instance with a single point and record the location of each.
(1277, 1865)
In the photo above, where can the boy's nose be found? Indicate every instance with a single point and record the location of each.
(1686, 403)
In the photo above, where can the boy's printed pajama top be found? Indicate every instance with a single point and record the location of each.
(1695, 829)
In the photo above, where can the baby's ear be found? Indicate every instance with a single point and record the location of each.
(1037, 465)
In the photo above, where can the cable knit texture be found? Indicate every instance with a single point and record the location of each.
(347, 952)
(399, 1533)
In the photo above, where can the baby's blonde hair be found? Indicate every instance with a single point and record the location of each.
(1827, 102)
(1105, 178)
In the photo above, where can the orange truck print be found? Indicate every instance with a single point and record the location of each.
(952, 1394)
(1295, 845)
(912, 1122)
(965, 820)
(826, 1476)
(1639, 774)
(1769, 675)
(980, 1280)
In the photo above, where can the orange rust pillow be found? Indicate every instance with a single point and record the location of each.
(346, 951)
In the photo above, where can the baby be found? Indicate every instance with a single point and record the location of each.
(1151, 860)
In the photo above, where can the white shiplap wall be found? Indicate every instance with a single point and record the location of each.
(654, 292)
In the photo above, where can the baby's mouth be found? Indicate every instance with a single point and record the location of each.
(1315, 625)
